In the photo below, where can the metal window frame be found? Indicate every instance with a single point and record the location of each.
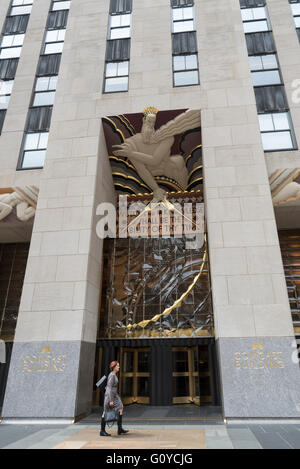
(6, 94)
(23, 151)
(116, 76)
(267, 19)
(185, 70)
(184, 20)
(290, 130)
(295, 16)
(59, 1)
(110, 28)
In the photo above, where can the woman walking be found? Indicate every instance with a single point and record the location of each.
(112, 399)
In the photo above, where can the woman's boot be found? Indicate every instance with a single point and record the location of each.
(103, 432)
(120, 429)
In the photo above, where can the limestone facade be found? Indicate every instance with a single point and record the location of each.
(60, 299)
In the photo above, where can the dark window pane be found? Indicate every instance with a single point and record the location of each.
(120, 6)
(16, 24)
(252, 3)
(8, 68)
(143, 386)
(49, 65)
(118, 49)
(271, 98)
(184, 43)
(39, 119)
(260, 43)
(57, 19)
(182, 3)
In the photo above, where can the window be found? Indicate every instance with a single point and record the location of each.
(265, 70)
(39, 119)
(16, 24)
(44, 91)
(54, 41)
(183, 19)
(119, 27)
(295, 7)
(116, 77)
(35, 146)
(11, 46)
(184, 44)
(20, 10)
(255, 20)
(61, 5)
(13, 35)
(49, 65)
(271, 102)
(185, 69)
(5, 92)
(276, 131)
(22, 2)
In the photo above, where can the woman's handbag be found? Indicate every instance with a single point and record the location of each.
(111, 416)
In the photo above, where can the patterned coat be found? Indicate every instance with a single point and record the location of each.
(111, 394)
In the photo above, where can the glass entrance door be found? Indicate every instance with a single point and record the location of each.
(191, 375)
(185, 375)
(135, 375)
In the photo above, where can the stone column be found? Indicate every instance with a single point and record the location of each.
(253, 323)
(54, 351)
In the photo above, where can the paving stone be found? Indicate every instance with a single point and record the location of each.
(243, 438)
(272, 441)
(292, 437)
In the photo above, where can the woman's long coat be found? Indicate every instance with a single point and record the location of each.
(111, 393)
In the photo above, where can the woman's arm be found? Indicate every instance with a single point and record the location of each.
(108, 390)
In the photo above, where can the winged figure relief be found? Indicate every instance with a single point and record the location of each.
(150, 150)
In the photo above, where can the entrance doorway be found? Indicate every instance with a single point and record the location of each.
(161, 372)
(191, 375)
(135, 376)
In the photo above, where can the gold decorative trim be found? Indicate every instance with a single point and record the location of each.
(196, 180)
(128, 176)
(116, 128)
(129, 125)
(194, 170)
(191, 154)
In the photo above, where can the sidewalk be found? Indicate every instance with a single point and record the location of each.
(80, 436)
(176, 427)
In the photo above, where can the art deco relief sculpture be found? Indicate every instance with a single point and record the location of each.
(285, 186)
(150, 150)
(24, 200)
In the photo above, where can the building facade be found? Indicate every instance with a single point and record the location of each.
(77, 78)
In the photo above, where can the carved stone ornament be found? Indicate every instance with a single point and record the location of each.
(21, 199)
(285, 186)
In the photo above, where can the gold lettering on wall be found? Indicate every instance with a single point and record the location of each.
(258, 359)
(44, 363)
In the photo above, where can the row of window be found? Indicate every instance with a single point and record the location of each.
(185, 58)
(116, 75)
(185, 65)
(11, 43)
(39, 116)
(295, 7)
(274, 117)
(273, 112)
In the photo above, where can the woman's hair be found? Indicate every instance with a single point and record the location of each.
(113, 364)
